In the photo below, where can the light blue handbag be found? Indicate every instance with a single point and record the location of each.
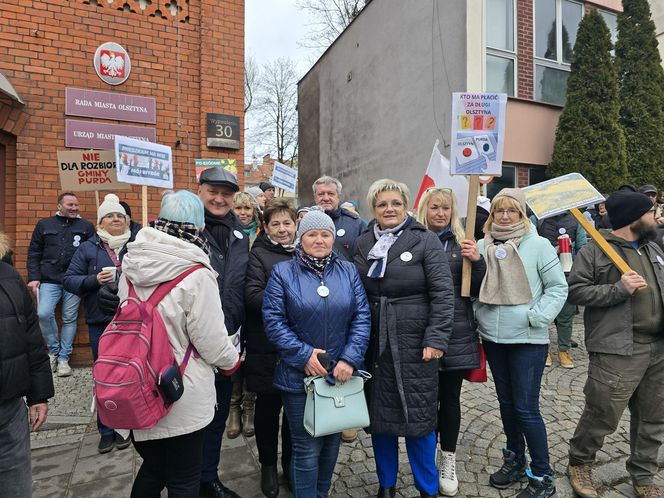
(330, 409)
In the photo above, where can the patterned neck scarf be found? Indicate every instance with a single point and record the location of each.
(184, 231)
(287, 247)
(316, 265)
(384, 240)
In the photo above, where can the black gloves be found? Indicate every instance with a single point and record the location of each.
(107, 298)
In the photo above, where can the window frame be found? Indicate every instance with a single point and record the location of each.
(558, 64)
(514, 167)
(506, 54)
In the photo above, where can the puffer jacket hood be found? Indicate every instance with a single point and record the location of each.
(175, 257)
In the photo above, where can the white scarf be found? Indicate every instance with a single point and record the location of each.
(384, 240)
(115, 242)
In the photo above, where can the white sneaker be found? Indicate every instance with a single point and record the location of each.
(64, 370)
(448, 484)
(53, 360)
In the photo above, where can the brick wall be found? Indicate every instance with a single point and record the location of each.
(525, 51)
(522, 176)
(47, 45)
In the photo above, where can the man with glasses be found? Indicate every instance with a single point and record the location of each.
(624, 320)
(54, 242)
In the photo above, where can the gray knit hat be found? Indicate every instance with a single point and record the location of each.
(315, 220)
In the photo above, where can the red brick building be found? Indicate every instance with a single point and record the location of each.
(188, 55)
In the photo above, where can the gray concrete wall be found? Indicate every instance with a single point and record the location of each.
(366, 109)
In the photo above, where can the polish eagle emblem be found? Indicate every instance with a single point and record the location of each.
(112, 64)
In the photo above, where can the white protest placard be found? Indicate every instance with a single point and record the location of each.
(143, 163)
(478, 133)
(284, 177)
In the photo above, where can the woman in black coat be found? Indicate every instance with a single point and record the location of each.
(408, 282)
(438, 212)
(274, 245)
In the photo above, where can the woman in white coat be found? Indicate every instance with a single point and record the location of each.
(172, 449)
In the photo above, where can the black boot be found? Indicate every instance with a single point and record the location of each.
(386, 492)
(269, 481)
(513, 470)
(216, 489)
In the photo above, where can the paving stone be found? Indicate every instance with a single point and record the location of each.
(111, 487)
(50, 487)
(53, 461)
(102, 466)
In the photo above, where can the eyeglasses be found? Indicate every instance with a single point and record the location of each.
(509, 211)
(436, 189)
(385, 204)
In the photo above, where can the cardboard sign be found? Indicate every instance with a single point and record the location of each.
(143, 163)
(478, 133)
(203, 164)
(561, 194)
(89, 170)
(284, 177)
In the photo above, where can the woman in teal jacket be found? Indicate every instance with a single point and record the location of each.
(522, 293)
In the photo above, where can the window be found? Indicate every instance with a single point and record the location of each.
(556, 25)
(611, 21)
(508, 180)
(536, 174)
(500, 46)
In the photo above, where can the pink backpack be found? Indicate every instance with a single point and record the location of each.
(135, 358)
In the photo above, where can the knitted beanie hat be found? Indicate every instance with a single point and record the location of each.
(110, 205)
(315, 220)
(513, 193)
(254, 192)
(625, 207)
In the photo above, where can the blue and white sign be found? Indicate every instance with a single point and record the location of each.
(284, 177)
(143, 163)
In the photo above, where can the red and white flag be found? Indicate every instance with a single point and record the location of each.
(438, 175)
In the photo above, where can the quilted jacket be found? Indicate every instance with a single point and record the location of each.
(297, 319)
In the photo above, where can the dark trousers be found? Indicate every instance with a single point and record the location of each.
(616, 382)
(449, 409)
(215, 429)
(266, 425)
(517, 372)
(314, 458)
(94, 332)
(15, 467)
(174, 463)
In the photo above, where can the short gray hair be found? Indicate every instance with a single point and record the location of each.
(326, 180)
(387, 185)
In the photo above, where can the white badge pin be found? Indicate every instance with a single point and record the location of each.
(660, 260)
(501, 253)
(406, 257)
(341, 232)
(76, 243)
(238, 234)
(77, 238)
(323, 291)
(562, 231)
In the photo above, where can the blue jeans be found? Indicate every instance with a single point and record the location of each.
(517, 372)
(94, 332)
(15, 467)
(313, 458)
(421, 455)
(49, 297)
(214, 431)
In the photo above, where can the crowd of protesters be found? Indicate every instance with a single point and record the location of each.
(281, 294)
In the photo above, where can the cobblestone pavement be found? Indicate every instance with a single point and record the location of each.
(66, 464)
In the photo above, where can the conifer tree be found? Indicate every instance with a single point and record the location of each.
(641, 80)
(589, 139)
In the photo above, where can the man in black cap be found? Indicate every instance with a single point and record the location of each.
(268, 190)
(624, 334)
(229, 255)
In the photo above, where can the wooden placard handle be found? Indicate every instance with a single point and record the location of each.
(144, 204)
(467, 270)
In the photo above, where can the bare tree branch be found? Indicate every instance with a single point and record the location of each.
(251, 76)
(330, 18)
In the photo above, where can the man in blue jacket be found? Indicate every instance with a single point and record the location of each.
(229, 255)
(54, 242)
(349, 225)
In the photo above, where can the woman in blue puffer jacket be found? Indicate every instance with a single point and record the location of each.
(314, 304)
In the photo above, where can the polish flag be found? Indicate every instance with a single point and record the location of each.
(438, 175)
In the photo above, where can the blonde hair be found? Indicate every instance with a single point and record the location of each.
(5, 246)
(246, 199)
(387, 185)
(445, 195)
(505, 202)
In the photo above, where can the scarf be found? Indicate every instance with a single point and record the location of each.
(384, 240)
(220, 228)
(286, 247)
(506, 281)
(316, 265)
(250, 228)
(115, 242)
(183, 231)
